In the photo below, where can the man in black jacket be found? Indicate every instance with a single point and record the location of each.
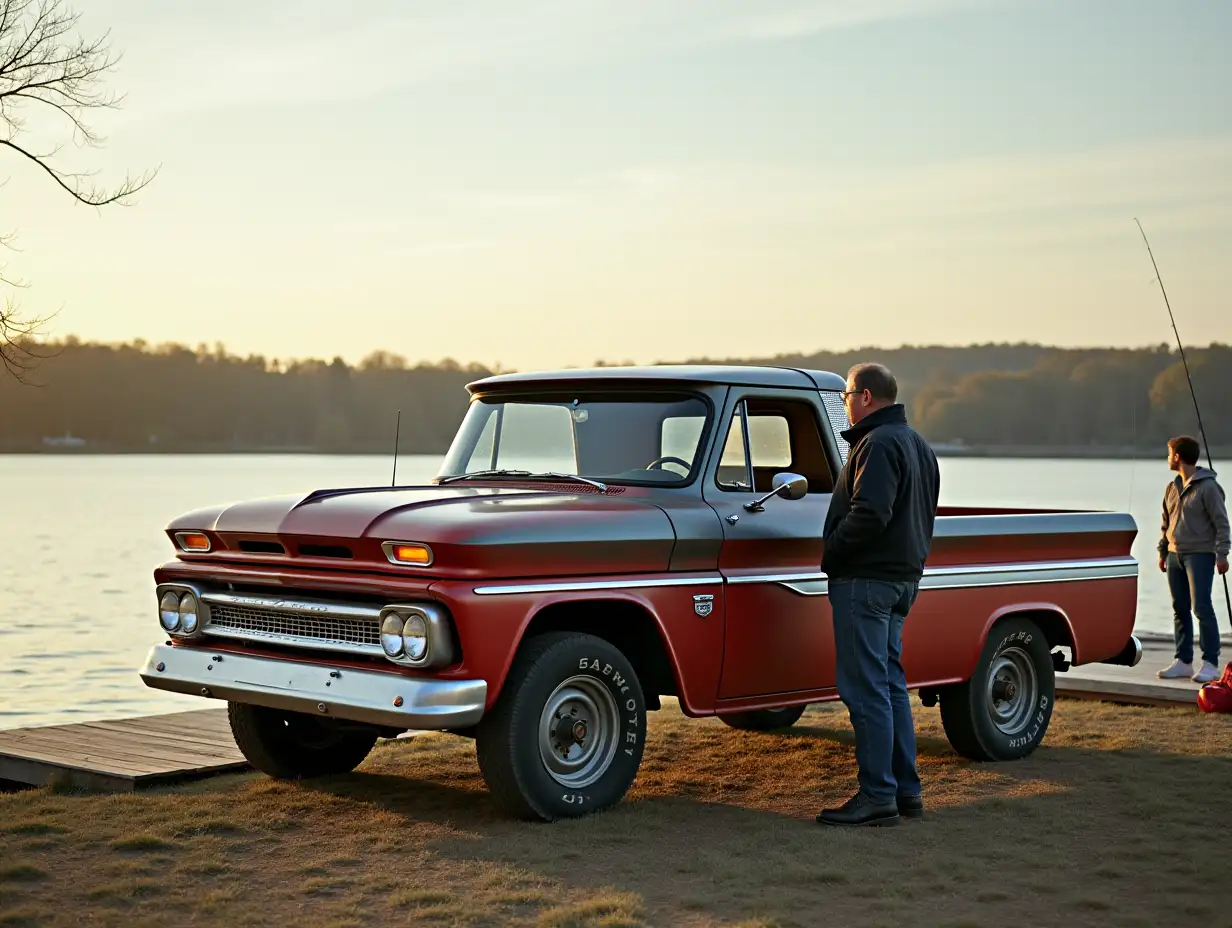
(877, 535)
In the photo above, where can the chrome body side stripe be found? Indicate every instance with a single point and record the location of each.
(817, 584)
(565, 586)
(984, 575)
(1017, 575)
(1121, 564)
(808, 587)
(775, 578)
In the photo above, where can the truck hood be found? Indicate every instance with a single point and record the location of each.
(473, 531)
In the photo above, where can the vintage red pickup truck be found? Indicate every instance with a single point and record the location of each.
(595, 541)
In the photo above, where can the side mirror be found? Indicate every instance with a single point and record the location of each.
(786, 485)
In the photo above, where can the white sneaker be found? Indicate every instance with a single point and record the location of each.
(1177, 671)
(1208, 673)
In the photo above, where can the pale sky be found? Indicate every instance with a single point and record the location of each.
(535, 183)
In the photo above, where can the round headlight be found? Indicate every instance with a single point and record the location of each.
(188, 613)
(169, 611)
(391, 635)
(415, 637)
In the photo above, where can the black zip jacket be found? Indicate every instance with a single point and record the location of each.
(880, 522)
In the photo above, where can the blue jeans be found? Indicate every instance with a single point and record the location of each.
(1190, 577)
(868, 642)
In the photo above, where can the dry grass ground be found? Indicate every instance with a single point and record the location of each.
(1119, 820)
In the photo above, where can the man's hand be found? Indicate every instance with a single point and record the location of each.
(1221, 565)
(1163, 564)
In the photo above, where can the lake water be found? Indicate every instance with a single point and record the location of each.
(80, 536)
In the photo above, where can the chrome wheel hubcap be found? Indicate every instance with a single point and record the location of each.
(1012, 690)
(578, 732)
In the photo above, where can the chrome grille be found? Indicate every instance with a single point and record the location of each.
(303, 623)
(289, 625)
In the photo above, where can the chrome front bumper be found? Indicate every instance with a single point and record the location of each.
(387, 699)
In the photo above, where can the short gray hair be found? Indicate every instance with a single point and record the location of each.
(876, 379)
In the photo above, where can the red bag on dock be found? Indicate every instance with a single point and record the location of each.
(1217, 696)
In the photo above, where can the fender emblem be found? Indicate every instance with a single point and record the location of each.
(703, 604)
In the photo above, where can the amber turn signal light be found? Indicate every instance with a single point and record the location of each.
(407, 553)
(193, 541)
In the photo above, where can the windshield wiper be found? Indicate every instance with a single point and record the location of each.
(485, 473)
(522, 473)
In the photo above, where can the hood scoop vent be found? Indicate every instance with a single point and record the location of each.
(561, 487)
(341, 551)
(262, 547)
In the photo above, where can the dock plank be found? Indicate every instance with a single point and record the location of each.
(121, 754)
(117, 758)
(62, 758)
(207, 740)
(153, 749)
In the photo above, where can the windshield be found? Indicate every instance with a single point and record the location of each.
(635, 439)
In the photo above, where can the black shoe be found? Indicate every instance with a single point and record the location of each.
(910, 806)
(860, 810)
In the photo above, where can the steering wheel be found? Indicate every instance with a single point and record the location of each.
(668, 459)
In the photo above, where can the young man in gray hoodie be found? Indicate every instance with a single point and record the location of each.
(1193, 544)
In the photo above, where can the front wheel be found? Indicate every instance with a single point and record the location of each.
(566, 736)
(764, 719)
(1003, 711)
(291, 745)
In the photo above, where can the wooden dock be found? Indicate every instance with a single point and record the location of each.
(122, 754)
(127, 754)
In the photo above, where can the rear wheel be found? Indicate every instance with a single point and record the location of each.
(291, 745)
(1003, 711)
(566, 735)
(764, 719)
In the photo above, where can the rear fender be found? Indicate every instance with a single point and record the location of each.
(1052, 620)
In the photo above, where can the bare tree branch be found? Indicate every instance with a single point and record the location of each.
(45, 66)
(68, 181)
(20, 349)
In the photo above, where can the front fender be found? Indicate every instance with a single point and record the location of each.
(491, 628)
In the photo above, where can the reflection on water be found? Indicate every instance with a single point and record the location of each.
(82, 534)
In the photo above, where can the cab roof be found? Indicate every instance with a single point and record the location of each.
(722, 374)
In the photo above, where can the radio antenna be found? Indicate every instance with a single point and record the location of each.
(1192, 392)
(397, 432)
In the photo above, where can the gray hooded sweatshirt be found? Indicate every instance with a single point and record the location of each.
(1195, 516)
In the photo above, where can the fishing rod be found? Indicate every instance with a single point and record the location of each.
(1192, 392)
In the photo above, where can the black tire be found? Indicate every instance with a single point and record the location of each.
(292, 745)
(764, 719)
(514, 741)
(986, 720)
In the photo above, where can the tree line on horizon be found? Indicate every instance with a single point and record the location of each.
(138, 397)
